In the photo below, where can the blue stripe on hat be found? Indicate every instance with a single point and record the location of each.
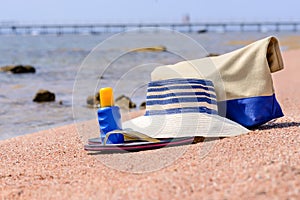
(160, 89)
(180, 81)
(181, 100)
(178, 94)
(181, 110)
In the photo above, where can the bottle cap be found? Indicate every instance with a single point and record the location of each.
(106, 97)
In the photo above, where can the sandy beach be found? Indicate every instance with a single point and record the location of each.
(263, 164)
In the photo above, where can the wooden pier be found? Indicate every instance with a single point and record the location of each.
(60, 29)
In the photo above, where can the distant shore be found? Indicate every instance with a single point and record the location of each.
(263, 164)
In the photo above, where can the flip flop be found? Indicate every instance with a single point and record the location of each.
(134, 141)
(129, 136)
(132, 146)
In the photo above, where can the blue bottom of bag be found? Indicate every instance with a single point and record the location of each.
(251, 112)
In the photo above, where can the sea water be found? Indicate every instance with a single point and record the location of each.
(58, 59)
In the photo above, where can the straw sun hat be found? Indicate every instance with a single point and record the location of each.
(183, 108)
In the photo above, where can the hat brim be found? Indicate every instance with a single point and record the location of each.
(185, 125)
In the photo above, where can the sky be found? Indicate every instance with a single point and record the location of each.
(123, 11)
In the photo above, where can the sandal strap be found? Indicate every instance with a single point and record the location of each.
(130, 134)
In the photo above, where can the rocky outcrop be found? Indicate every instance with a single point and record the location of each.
(18, 69)
(44, 96)
(151, 49)
(124, 102)
(212, 54)
(93, 101)
(143, 105)
(202, 31)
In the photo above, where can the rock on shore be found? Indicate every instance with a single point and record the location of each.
(151, 49)
(18, 69)
(93, 101)
(143, 105)
(124, 102)
(44, 96)
(212, 54)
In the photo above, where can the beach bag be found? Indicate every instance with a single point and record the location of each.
(242, 80)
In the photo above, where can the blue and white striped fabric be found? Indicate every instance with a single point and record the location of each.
(180, 96)
(183, 108)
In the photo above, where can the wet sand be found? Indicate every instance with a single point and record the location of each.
(264, 164)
